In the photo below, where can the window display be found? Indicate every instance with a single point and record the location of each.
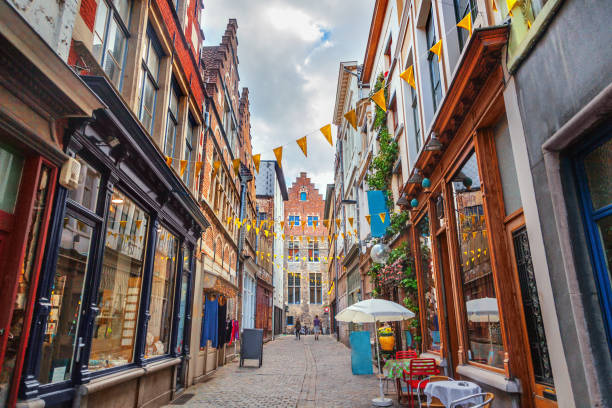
(120, 284)
(66, 296)
(483, 325)
(162, 294)
(432, 340)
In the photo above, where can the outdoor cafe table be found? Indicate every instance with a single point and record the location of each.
(393, 370)
(449, 391)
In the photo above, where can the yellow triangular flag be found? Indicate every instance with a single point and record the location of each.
(256, 230)
(382, 216)
(198, 168)
(315, 223)
(236, 165)
(326, 130)
(466, 22)
(266, 232)
(291, 224)
(256, 160)
(282, 224)
(248, 227)
(229, 219)
(351, 116)
(510, 4)
(215, 168)
(367, 217)
(437, 48)
(278, 152)
(169, 160)
(408, 76)
(494, 6)
(350, 220)
(183, 167)
(379, 99)
(303, 145)
(326, 223)
(338, 222)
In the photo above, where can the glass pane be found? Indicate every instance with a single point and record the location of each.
(432, 340)
(598, 167)
(120, 284)
(148, 103)
(174, 103)
(153, 61)
(99, 29)
(505, 160)
(605, 234)
(484, 330)
(10, 167)
(182, 307)
(66, 296)
(162, 294)
(23, 289)
(115, 45)
(123, 8)
(170, 135)
(86, 193)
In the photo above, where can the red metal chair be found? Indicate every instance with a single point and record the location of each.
(419, 369)
(401, 355)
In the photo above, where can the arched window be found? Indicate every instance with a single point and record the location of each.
(303, 196)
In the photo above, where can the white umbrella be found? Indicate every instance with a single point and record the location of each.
(372, 311)
(482, 310)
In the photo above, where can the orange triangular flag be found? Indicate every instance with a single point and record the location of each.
(315, 223)
(183, 167)
(303, 145)
(466, 22)
(437, 48)
(326, 130)
(367, 217)
(351, 116)
(169, 160)
(138, 223)
(382, 216)
(198, 168)
(215, 168)
(379, 99)
(256, 160)
(408, 76)
(326, 223)
(236, 165)
(350, 220)
(278, 152)
(494, 6)
(282, 224)
(291, 224)
(338, 222)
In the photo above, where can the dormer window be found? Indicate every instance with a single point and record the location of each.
(303, 196)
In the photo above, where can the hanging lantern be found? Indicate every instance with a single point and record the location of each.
(426, 183)
(414, 202)
(380, 253)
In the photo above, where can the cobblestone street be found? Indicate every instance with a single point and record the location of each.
(293, 374)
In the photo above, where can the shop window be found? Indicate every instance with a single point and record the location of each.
(316, 289)
(294, 251)
(483, 320)
(354, 287)
(110, 37)
(295, 219)
(65, 301)
(313, 251)
(172, 121)
(149, 85)
(11, 165)
(183, 300)
(293, 288)
(462, 8)
(432, 62)
(431, 340)
(86, 194)
(303, 196)
(120, 284)
(162, 294)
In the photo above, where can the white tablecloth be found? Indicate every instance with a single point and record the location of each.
(449, 391)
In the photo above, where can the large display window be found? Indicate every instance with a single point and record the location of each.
(431, 340)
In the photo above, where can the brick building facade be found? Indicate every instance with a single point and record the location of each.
(306, 248)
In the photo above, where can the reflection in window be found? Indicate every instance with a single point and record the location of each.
(313, 251)
(66, 296)
(86, 193)
(120, 284)
(484, 330)
(11, 165)
(162, 294)
(432, 340)
(294, 251)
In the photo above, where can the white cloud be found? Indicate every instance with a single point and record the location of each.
(289, 53)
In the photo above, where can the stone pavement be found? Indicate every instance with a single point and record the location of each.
(293, 374)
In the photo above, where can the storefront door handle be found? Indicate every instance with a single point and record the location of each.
(80, 346)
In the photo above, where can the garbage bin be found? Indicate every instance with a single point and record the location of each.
(251, 345)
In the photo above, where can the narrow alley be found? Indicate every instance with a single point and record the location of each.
(293, 374)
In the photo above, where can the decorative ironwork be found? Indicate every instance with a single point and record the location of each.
(531, 308)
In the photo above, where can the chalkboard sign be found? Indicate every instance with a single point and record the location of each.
(251, 346)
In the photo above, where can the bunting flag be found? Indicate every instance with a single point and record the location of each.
(256, 160)
(379, 99)
(122, 223)
(183, 167)
(494, 6)
(236, 165)
(338, 222)
(278, 152)
(303, 145)
(408, 76)
(266, 232)
(229, 219)
(282, 224)
(326, 130)
(315, 223)
(367, 217)
(382, 216)
(437, 48)
(283, 235)
(326, 223)
(215, 168)
(198, 168)
(350, 220)
(511, 4)
(257, 230)
(248, 227)
(138, 223)
(169, 160)
(351, 117)
(291, 224)
(466, 22)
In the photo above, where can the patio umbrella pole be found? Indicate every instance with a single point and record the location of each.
(381, 401)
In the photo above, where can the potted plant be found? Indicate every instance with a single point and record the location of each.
(386, 338)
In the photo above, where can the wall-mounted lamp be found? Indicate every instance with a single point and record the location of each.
(433, 144)
(416, 177)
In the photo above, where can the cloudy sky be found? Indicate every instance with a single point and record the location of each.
(289, 53)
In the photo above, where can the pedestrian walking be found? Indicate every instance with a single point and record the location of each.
(298, 328)
(317, 327)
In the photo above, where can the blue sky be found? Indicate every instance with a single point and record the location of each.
(289, 53)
